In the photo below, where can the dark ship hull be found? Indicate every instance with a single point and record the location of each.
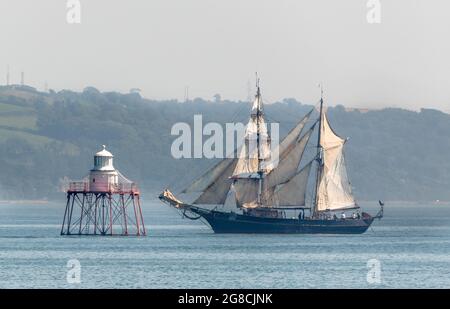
(222, 222)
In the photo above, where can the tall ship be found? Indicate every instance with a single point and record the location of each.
(263, 189)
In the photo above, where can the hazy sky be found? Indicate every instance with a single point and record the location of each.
(162, 46)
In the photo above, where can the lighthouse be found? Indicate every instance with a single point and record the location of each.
(104, 203)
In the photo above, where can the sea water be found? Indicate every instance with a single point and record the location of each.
(408, 248)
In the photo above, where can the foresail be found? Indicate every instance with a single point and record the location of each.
(216, 192)
(204, 181)
(334, 190)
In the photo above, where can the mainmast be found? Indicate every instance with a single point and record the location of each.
(319, 156)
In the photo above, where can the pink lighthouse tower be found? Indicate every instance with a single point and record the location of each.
(103, 203)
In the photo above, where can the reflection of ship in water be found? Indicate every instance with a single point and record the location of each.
(252, 193)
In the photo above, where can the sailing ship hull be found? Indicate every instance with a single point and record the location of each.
(222, 222)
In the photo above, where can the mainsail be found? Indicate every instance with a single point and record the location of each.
(334, 189)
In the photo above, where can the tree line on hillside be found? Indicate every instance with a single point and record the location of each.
(392, 154)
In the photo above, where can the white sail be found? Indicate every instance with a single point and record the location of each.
(334, 190)
(286, 144)
(250, 157)
(285, 172)
(204, 181)
(249, 171)
(294, 134)
(289, 162)
(293, 192)
(230, 204)
(246, 192)
(216, 192)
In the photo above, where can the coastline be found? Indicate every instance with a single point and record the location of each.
(24, 202)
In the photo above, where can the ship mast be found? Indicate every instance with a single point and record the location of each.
(319, 156)
(258, 115)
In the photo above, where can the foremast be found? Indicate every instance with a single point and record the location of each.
(259, 113)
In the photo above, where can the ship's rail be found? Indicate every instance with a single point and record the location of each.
(84, 186)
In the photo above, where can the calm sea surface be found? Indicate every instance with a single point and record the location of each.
(412, 244)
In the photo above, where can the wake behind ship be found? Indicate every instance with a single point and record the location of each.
(260, 189)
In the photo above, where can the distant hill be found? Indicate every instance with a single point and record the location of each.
(392, 154)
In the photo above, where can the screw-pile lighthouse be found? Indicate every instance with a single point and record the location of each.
(104, 203)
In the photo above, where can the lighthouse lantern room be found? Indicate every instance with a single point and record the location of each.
(103, 177)
(103, 203)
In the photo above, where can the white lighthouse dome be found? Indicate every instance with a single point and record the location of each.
(104, 152)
